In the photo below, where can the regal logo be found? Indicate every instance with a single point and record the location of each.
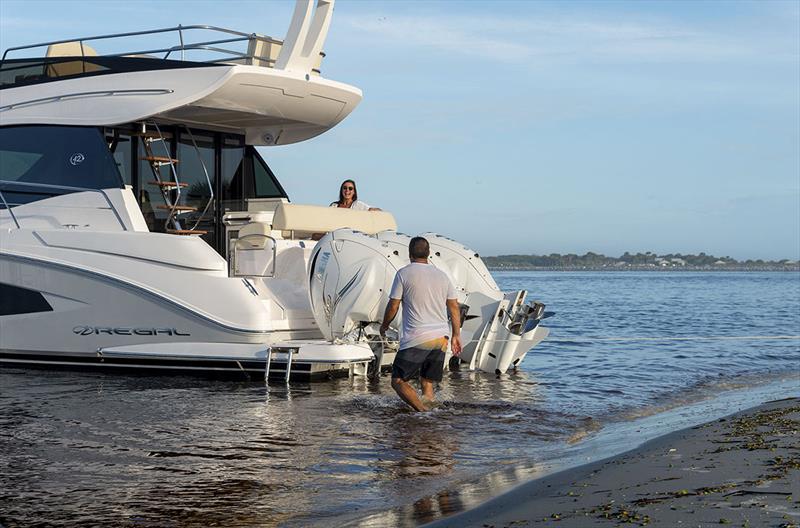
(125, 331)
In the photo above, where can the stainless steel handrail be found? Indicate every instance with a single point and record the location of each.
(234, 249)
(175, 202)
(182, 48)
(62, 188)
(5, 203)
(228, 55)
(208, 179)
(180, 29)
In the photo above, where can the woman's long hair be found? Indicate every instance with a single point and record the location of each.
(341, 191)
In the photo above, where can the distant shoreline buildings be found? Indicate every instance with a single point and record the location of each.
(636, 262)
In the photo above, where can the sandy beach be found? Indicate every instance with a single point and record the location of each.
(741, 470)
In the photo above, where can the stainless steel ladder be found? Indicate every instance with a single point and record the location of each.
(170, 189)
(289, 351)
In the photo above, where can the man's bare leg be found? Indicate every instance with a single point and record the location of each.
(408, 394)
(427, 390)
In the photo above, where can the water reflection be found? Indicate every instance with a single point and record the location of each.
(103, 450)
(449, 501)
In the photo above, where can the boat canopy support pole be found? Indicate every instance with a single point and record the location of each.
(306, 36)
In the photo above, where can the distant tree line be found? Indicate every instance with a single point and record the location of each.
(628, 260)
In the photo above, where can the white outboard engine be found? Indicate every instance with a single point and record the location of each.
(351, 274)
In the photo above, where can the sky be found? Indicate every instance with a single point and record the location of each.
(535, 127)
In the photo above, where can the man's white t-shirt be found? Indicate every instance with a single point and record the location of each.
(358, 205)
(423, 291)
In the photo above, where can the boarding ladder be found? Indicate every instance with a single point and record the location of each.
(171, 189)
(288, 353)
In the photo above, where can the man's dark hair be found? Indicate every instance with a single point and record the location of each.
(419, 248)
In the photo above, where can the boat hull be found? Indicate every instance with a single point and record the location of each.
(93, 322)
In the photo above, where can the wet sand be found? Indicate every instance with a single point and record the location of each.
(741, 470)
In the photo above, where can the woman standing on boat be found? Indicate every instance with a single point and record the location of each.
(348, 198)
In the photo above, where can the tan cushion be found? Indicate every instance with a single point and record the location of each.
(262, 53)
(260, 229)
(70, 49)
(254, 228)
(317, 219)
(76, 67)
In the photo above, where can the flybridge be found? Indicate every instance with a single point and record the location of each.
(205, 43)
(197, 45)
(207, 77)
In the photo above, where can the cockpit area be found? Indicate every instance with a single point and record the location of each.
(184, 180)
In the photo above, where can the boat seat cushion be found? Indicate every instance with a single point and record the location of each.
(70, 49)
(254, 228)
(72, 67)
(309, 219)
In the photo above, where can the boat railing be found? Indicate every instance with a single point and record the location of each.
(67, 188)
(259, 50)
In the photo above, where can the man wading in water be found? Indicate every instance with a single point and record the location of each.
(426, 295)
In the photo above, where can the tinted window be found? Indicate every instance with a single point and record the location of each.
(266, 185)
(19, 72)
(233, 174)
(245, 175)
(196, 153)
(121, 148)
(15, 300)
(54, 155)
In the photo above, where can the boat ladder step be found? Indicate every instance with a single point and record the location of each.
(149, 135)
(186, 232)
(168, 184)
(178, 208)
(290, 352)
(170, 188)
(159, 159)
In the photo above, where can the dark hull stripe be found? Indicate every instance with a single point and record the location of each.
(249, 370)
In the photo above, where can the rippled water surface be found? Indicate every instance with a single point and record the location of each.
(103, 450)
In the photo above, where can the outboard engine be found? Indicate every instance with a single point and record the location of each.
(350, 275)
(350, 278)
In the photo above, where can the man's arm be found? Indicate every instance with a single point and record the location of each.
(389, 314)
(455, 325)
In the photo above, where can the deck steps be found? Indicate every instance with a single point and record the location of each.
(169, 184)
(170, 188)
(163, 160)
(180, 208)
(186, 232)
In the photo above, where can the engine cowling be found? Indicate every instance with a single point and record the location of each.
(350, 275)
(350, 278)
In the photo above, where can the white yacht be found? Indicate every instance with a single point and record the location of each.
(140, 228)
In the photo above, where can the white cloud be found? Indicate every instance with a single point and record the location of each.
(436, 33)
(516, 40)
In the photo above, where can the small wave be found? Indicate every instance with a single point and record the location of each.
(587, 427)
(178, 454)
(512, 416)
(377, 403)
(696, 393)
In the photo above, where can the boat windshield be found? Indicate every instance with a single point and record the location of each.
(53, 155)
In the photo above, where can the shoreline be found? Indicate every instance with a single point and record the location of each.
(695, 476)
(647, 268)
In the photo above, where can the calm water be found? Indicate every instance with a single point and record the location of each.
(97, 450)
